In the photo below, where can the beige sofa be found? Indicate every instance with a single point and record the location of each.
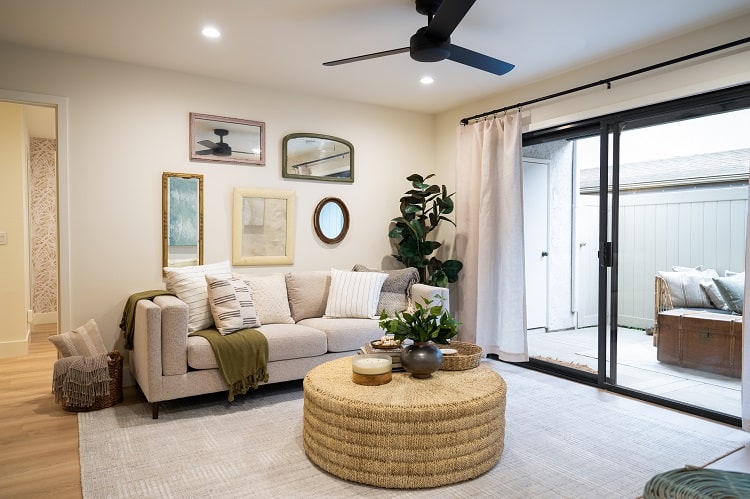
(168, 364)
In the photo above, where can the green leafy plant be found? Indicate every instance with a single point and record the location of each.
(423, 323)
(423, 207)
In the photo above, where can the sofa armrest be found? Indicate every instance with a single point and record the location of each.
(174, 334)
(435, 295)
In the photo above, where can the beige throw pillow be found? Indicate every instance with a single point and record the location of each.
(308, 293)
(231, 304)
(269, 295)
(685, 288)
(85, 341)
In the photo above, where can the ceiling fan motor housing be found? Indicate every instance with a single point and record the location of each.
(423, 48)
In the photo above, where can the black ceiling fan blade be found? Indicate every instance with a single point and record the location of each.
(205, 152)
(479, 61)
(365, 57)
(447, 17)
(208, 143)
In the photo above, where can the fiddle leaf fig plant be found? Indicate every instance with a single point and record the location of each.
(423, 207)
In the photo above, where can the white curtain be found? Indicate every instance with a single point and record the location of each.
(491, 304)
(745, 341)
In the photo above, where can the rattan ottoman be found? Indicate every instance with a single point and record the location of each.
(410, 433)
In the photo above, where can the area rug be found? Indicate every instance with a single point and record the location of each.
(557, 444)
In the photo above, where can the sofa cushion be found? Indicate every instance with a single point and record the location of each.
(732, 289)
(308, 293)
(270, 297)
(354, 294)
(345, 335)
(231, 304)
(685, 288)
(394, 295)
(189, 284)
(285, 341)
(85, 341)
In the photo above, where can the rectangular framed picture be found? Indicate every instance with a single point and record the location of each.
(263, 227)
(227, 140)
(182, 219)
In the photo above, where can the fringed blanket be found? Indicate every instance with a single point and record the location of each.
(77, 381)
(242, 358)
(127, 324)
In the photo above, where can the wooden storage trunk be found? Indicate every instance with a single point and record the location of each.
(701, 340)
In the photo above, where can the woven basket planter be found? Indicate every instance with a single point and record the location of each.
(468, 357)
(115, 387)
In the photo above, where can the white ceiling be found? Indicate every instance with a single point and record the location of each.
(283, 43)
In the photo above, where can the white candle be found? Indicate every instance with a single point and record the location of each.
(371, 365)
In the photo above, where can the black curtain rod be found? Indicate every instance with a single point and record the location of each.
(608, 81)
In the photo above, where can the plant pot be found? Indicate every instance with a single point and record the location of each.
(421, 359)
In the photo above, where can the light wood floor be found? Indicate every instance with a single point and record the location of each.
(38, 440)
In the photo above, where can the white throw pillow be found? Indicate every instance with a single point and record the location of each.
(354, 294)
(270, 297)
(231, 304)
(685, 288)
(189, 284)
(714, 295)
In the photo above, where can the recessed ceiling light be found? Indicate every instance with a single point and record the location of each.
(427, 80)
(211, 32)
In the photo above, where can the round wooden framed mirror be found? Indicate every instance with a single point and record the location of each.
(331, 220)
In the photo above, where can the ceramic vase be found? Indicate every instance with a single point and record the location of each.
(421, 359)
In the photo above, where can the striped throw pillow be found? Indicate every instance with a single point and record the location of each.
(354, 294)
(231, 304)
(189, 284)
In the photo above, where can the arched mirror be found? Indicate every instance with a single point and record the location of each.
(317, 157)
(331, 220)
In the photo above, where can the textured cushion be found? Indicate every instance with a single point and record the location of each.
(354, 294)
(189, 284)
(732, 289)
(85, 341)
(714, 295)
(231, 304)
(685, 288)
(308, 293)
(345, 335)
(394, 295)
(269, 295)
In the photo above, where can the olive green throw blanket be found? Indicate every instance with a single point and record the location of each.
(242, 358)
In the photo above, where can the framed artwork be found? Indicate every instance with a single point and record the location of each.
(227, 140)
(182, 219)
(263, 227)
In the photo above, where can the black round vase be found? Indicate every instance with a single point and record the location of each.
(421, 359)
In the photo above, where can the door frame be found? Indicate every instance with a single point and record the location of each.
(63, 195)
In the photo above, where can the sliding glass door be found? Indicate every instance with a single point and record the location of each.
(646, 221)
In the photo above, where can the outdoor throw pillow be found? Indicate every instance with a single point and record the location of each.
(732, 288)
(189, 284)
(714, 295)
(231, 304)
(685, 288)
(354, 294)
(394, 295)
(85, 341)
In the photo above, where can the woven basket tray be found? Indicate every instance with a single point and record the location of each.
(115, 387)
(468, 357)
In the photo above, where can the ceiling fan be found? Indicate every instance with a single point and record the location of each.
(217, 149)
(433, 42)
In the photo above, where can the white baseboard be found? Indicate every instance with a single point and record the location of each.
(45, 318)
(14, 348)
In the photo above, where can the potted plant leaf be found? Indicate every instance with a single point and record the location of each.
(425, 325)
(423, 207)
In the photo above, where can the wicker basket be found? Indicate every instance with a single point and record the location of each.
(115, 387)
(468, 357)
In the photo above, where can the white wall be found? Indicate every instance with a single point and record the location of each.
(128, 124)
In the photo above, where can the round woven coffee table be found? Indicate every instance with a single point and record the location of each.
(410, 433)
